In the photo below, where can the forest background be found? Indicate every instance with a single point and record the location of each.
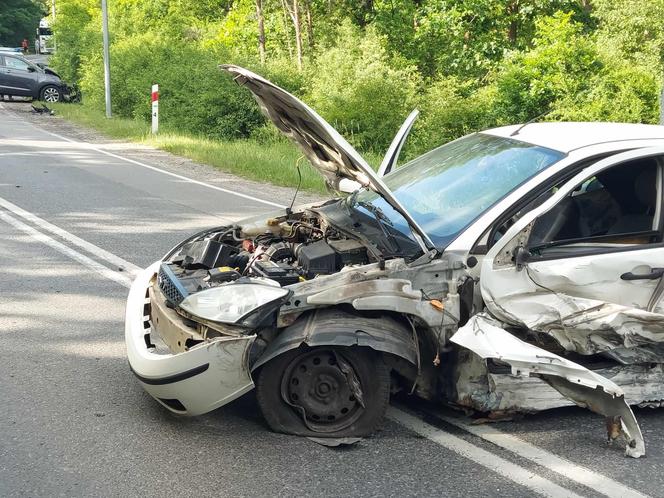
(365, 64)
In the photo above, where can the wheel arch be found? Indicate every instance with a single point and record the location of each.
(46, 84)
(336, 326)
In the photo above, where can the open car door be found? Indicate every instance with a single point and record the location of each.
(585, 268)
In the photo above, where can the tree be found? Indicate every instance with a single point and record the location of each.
(292, 7)
(559, 66)
(19, 20)
(260, 19)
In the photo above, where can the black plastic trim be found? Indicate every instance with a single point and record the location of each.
(171, 379)
(173, 404)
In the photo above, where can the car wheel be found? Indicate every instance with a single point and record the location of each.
(324, 391)
(51, 94)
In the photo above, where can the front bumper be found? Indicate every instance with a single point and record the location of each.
(194, 382)
(71, 93)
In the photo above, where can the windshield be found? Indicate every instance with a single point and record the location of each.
(447, 188)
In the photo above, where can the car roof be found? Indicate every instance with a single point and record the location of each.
(13, 54)
(568, 136)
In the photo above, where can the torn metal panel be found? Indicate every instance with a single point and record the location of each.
(485, 337)
(386, 294)
(583, 303)
(483, 389)
(587, 326)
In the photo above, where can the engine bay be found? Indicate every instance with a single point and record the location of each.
(285, 250)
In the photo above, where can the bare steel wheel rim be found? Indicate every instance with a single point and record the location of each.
(51, 95)
(319, 387)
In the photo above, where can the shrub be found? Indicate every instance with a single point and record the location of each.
(558, 66)
(449, 108)
(363, 93)
(195, 96)
(620, 92)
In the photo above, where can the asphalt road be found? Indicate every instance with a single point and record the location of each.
(75, 221)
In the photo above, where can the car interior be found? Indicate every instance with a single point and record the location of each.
(620, 205)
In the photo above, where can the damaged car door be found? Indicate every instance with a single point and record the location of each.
(586, 267)
(581, 275)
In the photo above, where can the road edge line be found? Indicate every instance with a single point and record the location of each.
(109, 257)
(87, 145)
(84, 260)
(491, 461)
(568, 469)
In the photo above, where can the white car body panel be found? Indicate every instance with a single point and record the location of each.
(569, 136)
(484, 337)
(221, 365)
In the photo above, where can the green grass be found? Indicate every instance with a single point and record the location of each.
(273, 162)
(269, 162)
(122, 128)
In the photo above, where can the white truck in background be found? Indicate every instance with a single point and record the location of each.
(44, 42)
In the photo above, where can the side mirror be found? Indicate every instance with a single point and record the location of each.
(31, 69)
(521, 257)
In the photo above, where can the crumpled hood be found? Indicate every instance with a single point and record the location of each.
(322, 145)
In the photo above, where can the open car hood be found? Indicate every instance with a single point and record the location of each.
(321, 144)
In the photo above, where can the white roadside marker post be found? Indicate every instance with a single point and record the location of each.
(155, 108)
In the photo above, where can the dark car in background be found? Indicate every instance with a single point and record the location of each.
(20, 77)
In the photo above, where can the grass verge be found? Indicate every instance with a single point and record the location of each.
(273, 162)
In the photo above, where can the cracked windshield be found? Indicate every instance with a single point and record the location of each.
(446, 189)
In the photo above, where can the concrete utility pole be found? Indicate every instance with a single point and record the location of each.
(107, 62)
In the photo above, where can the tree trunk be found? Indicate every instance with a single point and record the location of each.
(586, 5)
(261, 30)
(513, 11)
(298, 33)
(287, 29)
(294, 13)
(310, 26)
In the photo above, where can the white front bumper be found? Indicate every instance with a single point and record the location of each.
(197, 381)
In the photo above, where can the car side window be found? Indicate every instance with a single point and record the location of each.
(14, 63)
(620, 206)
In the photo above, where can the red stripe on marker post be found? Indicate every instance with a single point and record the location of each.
(155, 108)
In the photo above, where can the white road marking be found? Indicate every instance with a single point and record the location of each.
(86, 145)
(491, 461)
(111, 258)
(67, 251)
(569, 470)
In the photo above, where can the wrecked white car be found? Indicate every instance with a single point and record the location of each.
(512, 270)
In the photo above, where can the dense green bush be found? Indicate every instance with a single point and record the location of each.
(466, 64)
(449, 108)
(360, 90)
(560, 64)
(195, 95)
(620, 92)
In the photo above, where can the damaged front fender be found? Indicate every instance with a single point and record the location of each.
(485, 337)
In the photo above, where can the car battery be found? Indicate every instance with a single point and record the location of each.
(317, 258)
(349, 252)
(283, 273)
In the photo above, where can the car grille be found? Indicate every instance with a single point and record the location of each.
(173, 291)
